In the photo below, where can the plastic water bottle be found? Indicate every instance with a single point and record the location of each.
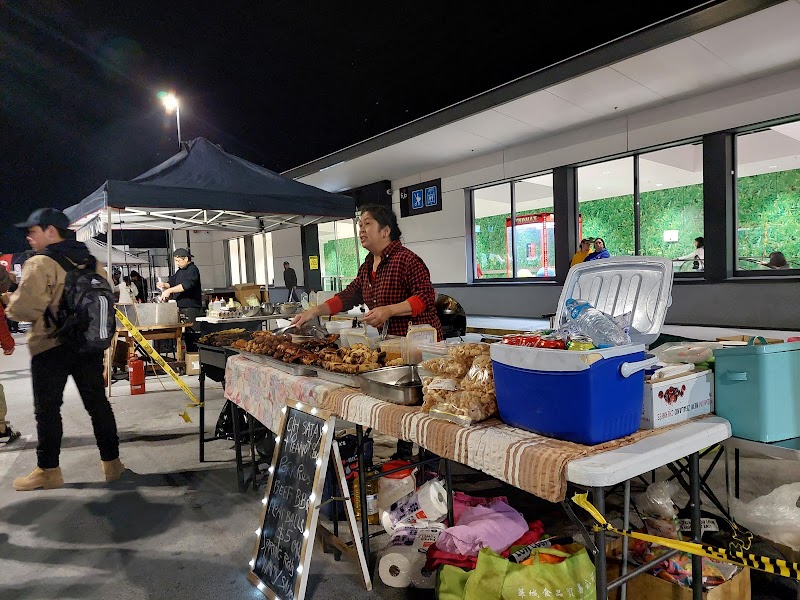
(590, 321)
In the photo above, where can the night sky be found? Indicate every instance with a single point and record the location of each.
(279, 83)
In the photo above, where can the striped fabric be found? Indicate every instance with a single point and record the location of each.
(528, 461)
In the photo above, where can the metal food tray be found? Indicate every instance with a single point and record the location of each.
(380, 384)
(290, 368)
(349, 380)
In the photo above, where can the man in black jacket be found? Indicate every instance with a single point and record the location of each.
(184, 284)
(290, 280)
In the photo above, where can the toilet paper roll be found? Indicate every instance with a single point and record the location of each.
(427, 505)
(396, 568)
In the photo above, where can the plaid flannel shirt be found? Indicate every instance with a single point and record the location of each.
(401, 275)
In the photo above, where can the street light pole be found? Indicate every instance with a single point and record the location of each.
(178, 115)
(171, 103)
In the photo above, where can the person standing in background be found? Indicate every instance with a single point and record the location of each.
(600, 251)
(583, 251)
(185, 285)
(698, 255)
(7, 434)
(141, 286)
(290, 280)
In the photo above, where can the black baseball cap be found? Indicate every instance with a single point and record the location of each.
(44, 217)
(180, 252)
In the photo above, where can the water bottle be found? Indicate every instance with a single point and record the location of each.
(590, 321)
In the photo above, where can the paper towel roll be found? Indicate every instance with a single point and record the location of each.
(396, 568)
(428, 504)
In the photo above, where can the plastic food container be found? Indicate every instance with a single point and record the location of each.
(395, 486)
(430, 351)
(351, 336)
(592, 396)
(394, 347)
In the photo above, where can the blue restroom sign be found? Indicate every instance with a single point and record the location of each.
(430, 196)
(416, 199)
(421, 198)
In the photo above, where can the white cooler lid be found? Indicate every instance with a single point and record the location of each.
(621, 284)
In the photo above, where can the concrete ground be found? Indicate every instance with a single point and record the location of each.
(177, 528)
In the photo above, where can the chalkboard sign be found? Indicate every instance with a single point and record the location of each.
(284, 541)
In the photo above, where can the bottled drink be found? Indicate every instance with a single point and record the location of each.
(590, 321)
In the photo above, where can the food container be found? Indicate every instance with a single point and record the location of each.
(429, 351)
(588, 397)
(381, 384)
(394, 348)
(157, 313)
(677, 399)
(757, 390)
(358, 335)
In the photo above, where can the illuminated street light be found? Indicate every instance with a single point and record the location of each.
(171, 103)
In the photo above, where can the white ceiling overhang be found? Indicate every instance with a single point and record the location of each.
(732, 42)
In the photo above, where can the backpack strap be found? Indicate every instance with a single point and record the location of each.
(68, 265)
(64, 262)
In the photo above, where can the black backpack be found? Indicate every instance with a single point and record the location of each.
(85, 320)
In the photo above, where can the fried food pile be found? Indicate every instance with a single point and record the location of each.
(322, 352)
(224, 338)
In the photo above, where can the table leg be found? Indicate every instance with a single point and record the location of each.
(626, 525)
(601, 579)
(202, 381)
(448, 479)
(178, 346)
(694, 502)
(736, 473)
(251, 427)
(727, 481)
(362, 492)
(237, 444)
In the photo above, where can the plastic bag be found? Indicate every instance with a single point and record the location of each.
(472, 401)
(657, 500)
(774, 516)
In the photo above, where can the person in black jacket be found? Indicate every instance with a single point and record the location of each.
(290, 280)
(184, 284)
(141, 285)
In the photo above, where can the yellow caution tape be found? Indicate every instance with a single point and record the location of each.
(754, 561)
(160, 361)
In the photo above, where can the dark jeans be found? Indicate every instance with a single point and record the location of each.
(49, 372)
(189, 334)
(293, 296)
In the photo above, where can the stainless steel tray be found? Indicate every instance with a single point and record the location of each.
(340, 378)
(380, 384)
(291, 369)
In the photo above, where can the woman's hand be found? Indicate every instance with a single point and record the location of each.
(162, 285)
(304, 317)
(378, 316)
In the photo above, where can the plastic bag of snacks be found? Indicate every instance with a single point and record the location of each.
(465, 401)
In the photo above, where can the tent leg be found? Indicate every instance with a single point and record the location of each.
(109, 268)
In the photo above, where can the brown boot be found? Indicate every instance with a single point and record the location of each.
(113, 469)
(47, 479)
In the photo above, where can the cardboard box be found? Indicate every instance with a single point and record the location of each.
(192, 363)
(746, 338)
(677, 399)
(650, 587)
(242, 291)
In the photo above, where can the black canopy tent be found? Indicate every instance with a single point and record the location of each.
(204, 187)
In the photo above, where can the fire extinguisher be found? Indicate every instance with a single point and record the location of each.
(136, 375)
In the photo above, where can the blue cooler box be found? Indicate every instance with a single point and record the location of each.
(757, 389)
(595, 396)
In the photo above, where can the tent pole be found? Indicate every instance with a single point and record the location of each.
(109, 267)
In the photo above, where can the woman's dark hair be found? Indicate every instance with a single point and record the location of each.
(385, 217)
(135, 274)
(602, 240)
(127, 279)
(66, 234)
(700, 241)
(777, 259)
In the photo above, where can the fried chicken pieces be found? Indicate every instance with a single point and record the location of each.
(323, 352)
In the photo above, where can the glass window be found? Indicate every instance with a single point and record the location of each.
(262, 251)
(534, 235)
(233, 253)
(768, 199)
(671, 205)
(605, 203)
(341, 253)
(491, 210)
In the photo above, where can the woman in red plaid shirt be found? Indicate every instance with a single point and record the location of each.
(393, 281)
